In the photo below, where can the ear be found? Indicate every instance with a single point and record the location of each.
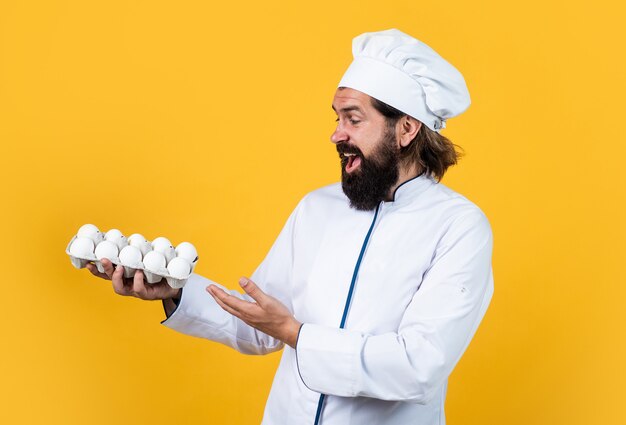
(408, 128)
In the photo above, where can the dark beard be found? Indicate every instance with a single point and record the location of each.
(376, 175)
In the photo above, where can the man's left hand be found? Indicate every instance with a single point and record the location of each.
(267, 314)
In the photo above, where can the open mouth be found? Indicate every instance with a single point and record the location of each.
(353, 162)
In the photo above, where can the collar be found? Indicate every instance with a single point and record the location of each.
(410, 189)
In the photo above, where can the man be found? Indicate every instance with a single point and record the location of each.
(375, 286)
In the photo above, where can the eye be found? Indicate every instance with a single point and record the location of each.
(352, 121)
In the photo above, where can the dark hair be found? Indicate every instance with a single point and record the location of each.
(431, 151)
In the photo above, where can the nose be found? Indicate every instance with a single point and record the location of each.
(339, 135)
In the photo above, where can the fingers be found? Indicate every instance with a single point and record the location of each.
(139, 287)
(94, 271)
(234, 303)
(275, 319)
(117, 279)
(217, 295)
(108, 267)
(221, 296)
(253, 290)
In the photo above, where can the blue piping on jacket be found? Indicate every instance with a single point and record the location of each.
(344, 317)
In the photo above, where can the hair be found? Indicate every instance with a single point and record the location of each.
(431, 151)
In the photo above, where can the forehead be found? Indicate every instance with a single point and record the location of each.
(350, 99)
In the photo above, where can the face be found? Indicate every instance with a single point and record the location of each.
(367, 148)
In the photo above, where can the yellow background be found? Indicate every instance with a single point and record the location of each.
(208, 122)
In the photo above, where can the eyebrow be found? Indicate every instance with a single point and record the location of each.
(348, 109)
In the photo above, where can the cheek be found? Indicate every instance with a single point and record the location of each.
(370, 141)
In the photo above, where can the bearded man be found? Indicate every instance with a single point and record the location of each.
(375, 286)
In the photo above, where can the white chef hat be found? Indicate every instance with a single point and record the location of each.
(405, 73)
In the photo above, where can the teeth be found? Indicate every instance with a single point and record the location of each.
(349, 154)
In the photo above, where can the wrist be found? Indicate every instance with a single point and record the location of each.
(293, 330)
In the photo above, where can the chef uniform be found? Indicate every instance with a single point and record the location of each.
(389, 299)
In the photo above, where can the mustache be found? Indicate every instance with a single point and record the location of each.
(343, 148)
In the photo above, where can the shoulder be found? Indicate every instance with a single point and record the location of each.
(460, 213)
(452, 203)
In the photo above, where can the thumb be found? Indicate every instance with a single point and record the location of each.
(253, 290)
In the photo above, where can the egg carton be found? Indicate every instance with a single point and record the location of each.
(152, 276)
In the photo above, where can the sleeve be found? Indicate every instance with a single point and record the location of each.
(197, 313)
(413, 363)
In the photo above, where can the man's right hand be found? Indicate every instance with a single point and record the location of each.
(135, 287)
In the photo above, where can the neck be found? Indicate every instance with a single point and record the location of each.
(405, 174)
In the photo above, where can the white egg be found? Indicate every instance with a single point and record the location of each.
(87, 229)
(164, 246)
(113, 234)
(168, 252)
(187, 251)
(82, 247)
(136, 237)
(154, 261)
(117, 238)
(106, 249)
(160, 242)
(130, 255)
(179, 268)
(137, 240)
(92, 232)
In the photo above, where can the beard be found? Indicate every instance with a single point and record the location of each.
(370, 183)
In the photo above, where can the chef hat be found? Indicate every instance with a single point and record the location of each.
(405, 73)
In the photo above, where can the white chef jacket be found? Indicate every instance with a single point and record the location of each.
(411, 281)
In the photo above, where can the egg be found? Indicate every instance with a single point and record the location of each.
(130, 256)
(106, 249)
(92, 232)
(82, 247)
(179, 268)
(164, 246)
(154, 261)
(116, 237)
(160, 242)
(169, 253)
(87, 229)
(187, 251)
(137, 237)
(137, 240)
(113, 234)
